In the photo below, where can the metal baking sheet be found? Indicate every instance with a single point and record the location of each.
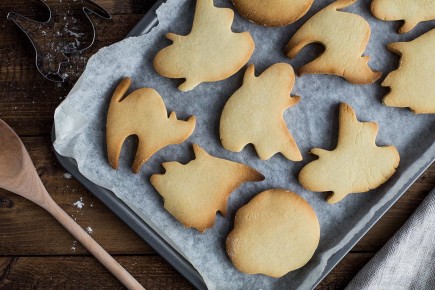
(161, 246)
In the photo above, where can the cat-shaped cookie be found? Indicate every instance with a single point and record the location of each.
(142, 113)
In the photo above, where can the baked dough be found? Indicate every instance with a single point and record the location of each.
(142, 113)
(194, 192)
(413, 83)
(275, 233)
(345, 36)
(254, 114)
(273, 12)
(357, 164)
(411, 11)
(210, 52)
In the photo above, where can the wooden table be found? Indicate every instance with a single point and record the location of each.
(35, 252)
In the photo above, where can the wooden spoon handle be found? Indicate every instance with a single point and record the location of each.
(91, 245)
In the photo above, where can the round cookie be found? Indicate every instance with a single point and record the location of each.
(273, 12)
(275, 233)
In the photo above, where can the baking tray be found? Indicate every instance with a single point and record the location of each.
(158, 243)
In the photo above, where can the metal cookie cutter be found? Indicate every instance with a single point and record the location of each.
(68, 29)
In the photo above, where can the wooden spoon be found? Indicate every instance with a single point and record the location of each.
(18, 175)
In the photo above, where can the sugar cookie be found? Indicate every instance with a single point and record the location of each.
(210, 52)
(345, 37)
(357, 164)
(413, 83)
(254, 114)
(142, 113)
(411, 11)
(275, 233)
(273, 12)
(194, 192)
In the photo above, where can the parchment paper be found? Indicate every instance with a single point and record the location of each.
(80, 133)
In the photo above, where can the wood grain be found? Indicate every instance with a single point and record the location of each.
(35, 252)
(85, 273)
(152, 271)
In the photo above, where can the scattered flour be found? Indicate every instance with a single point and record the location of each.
(89, 230)
(79, 204)
(73, 246)
(67, 175)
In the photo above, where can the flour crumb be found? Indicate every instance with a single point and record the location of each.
(79, 204)
(89, 230)
(73, 246)
(67, 175)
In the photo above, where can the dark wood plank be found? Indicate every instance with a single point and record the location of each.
(153, 272)
(85, 273)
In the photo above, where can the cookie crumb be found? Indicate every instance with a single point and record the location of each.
(73, 246)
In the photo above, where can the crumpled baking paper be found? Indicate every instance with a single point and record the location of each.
(80, 133)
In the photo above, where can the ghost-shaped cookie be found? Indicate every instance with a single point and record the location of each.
(410, 11)
(195, 192)
(413, 83)
(254, 114)
(357, 164)
(210, 52)
(142, 113)
(345, 36)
